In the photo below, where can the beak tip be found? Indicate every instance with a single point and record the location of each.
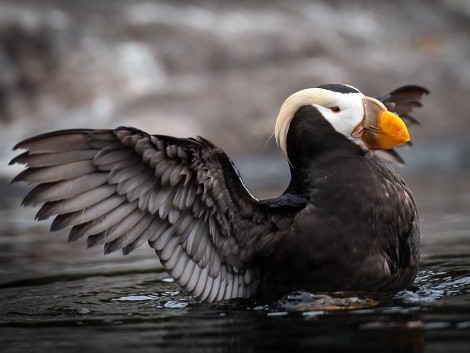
(405, 134)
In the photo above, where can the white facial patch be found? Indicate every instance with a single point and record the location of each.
(350, 115)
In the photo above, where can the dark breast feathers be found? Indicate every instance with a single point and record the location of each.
(359, 232)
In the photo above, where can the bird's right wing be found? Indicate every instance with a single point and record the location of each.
(124, 187)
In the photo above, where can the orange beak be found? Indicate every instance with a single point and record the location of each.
(380, 129)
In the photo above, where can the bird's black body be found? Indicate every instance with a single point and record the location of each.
(358, 227)
(347, 221)
(350, 235)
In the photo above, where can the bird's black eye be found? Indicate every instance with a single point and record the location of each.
(335, 109)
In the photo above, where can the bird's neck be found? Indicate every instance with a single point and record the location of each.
(307, 168)
(312, 143)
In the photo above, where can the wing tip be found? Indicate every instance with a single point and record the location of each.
(111, 247)
(127, 249)
(17, 159)
(423, 90)
(107, 249)
(22, 177)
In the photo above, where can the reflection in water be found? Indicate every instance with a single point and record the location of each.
(56, 297)
(255, 332)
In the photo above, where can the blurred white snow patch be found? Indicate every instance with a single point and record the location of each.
(346, 27)
(157, 13)
(242, 22)
(102, 107)
(32, 19)
(153, 121)
(324, 67)
(138, 64)
(226, 23)
(463, 6)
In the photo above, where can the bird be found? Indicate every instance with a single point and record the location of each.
(347, 221)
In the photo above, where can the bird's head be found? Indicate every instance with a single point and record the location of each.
(334, 114)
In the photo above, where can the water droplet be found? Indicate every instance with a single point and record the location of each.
(463, 325)
(436, 325)
(170, 293)
(136, 298)
(313, 313)
(280, 313)
(260, 307)
(84, 311)
(175, 305)
(167, 280)
(414, 325)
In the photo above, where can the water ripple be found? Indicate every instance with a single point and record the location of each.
(434, 285)
(135, 298)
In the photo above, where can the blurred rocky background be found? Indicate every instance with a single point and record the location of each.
(221, 69)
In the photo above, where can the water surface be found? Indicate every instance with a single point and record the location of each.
(59, 297)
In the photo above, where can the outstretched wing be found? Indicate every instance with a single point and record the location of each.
(123, 187)
(402, 101)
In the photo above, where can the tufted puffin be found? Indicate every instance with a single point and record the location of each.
(346, 222)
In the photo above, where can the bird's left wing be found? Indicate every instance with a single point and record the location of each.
(401, 101)
(124, 187)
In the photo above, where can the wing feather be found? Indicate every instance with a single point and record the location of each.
(109, 156)
(54, 158)
(56, 141)
(234, 293)
(183, 262)
(201, 283)
(208, 285)
(160, 241)
(169, 247)
(117, 230)
(76, 203)
(56, 173)
(154, 229)
(129, 236)
(64, 189)
(221, 291)
(193, 280)
(133, 182)
(183, 280)
(174, 258)
(140, 191)
(89, 214)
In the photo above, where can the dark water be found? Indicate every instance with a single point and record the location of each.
(59, 297)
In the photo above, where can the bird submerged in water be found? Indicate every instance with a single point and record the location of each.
(347, 221)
